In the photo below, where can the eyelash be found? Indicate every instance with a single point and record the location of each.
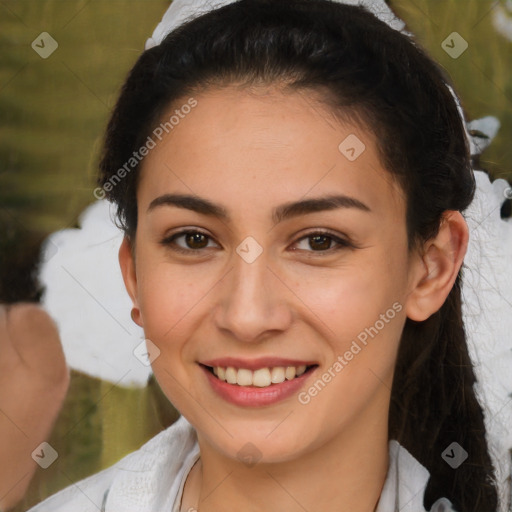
(342, 244)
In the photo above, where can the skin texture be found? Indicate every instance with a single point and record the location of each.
(34, 380)
(251, 151)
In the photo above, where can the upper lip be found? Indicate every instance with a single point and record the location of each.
(255, 364)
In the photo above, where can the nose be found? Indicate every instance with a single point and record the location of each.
(254, 303)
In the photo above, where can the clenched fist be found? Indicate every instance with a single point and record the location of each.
(34, 380)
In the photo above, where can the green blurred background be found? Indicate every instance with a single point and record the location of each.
(52, 116)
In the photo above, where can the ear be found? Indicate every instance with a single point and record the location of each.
(127, 264)
(434, 271)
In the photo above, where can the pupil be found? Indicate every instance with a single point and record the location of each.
(326, 243)
(195, 237)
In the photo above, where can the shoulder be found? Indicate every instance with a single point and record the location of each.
(140, 470)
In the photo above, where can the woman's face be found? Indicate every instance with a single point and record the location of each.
(273, 275)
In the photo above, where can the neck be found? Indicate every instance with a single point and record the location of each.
(346, 473)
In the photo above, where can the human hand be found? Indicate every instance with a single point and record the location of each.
(34, 380)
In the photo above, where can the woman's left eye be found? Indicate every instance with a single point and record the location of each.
(319, 241)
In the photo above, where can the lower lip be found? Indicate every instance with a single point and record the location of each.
(254, 396)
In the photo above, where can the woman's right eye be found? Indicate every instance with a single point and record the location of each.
(194, 241)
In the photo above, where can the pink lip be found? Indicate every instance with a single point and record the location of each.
(252, 396)
(255, 364)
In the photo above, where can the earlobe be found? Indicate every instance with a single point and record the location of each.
(127, 264)
(437, 268)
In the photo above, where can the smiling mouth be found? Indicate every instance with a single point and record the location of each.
(261, 378)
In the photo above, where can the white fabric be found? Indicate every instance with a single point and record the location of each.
(85, 294)
(487, 315)
(485, 130)
(184, 10)
(152, 478)
(502, 18)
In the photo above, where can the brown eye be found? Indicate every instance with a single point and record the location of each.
(193, 241)
(320, 241)
(196, 240)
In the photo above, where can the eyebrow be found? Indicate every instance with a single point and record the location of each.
(283, 212)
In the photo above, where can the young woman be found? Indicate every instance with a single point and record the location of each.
(290, 177)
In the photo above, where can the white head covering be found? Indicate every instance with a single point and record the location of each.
(184, 10)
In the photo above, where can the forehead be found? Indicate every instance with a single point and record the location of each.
(246, 148)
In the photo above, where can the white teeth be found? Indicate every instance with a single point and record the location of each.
(231, 375)
(244, 377)
(277, 375)
(261, 378)
(290, 372)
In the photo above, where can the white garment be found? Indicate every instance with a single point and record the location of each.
(152, 478)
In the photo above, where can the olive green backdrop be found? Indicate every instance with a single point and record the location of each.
(52, 116)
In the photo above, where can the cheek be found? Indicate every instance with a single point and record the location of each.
(170, 296)
(359, 309)
(359, 369)
(352, 297)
